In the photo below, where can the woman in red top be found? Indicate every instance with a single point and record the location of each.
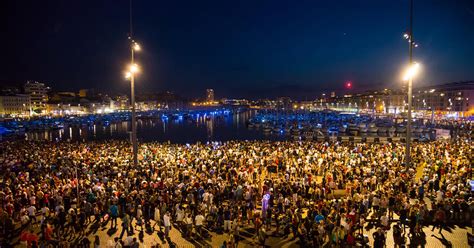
(350, 239)
(24, 237)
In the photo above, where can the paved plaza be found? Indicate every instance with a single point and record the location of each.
(454, 236)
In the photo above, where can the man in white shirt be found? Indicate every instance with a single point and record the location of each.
(32, 213)
(44, 214)
(199, 219)
(167, 223)
(384, 222)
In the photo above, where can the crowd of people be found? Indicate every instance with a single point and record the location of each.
(314, 192)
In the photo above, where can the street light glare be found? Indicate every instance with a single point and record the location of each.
(411, 71)
(134, 68)
(128, 74)
(136, 47)
(406, 36)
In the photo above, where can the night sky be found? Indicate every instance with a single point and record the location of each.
(239, 48)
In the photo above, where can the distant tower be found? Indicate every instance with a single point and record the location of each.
(210, 95)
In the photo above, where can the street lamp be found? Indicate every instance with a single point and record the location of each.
(130, 74)
(136, 47)
(410, 73)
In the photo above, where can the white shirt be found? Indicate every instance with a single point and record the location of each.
(179, 215)
(157, 214)
(45, 211)
(199, 220)
(188, 220)
(31, 211)
(375, 201)
(139, 213)
(439, 196)
(167, 220)
(384, 220)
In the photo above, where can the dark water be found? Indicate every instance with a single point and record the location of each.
(201, 129)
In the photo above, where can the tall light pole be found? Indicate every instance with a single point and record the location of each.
(410, 73)
(410, 81)
(132, 70)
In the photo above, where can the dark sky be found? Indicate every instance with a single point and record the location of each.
(239, 48)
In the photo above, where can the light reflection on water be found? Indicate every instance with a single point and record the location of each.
(202, 128)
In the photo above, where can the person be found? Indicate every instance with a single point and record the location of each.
(350, 239)
(125, 223)
(32, 238)
(128, 241)
(81, 224)
(61, 220)
(199, 221)
(117, 243)
(179, 217)
(139, 218)
(96, 241)
(167, 223)
(227, 216)
(48, 234)
(403, 218)
(32, 214)
(224, 244)
(157, 218)
(114, 215)
(439, 219)
(134, 243)
(397, 236)
(379, 238)
(421, 192)
(188, 225)
(235, 231)
(230, 243)
(262, 235)
(384, 222)
(85, 242)
(88, 211)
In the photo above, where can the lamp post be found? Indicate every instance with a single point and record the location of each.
(130, 74)
(413, 67)
(411, 72)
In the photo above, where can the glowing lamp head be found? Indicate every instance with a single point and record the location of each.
(134, 68)
(411, 71)
(128, 75)
(136, 47)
